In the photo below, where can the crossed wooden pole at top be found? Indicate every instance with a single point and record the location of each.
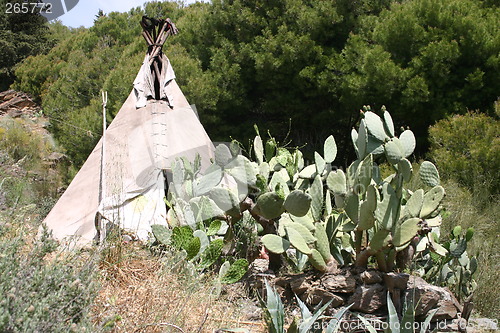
(155, 32)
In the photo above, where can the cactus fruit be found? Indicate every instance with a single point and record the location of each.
(405, 232)
(270, 205)
(298, 203)
(429, 174)
(407, 139)
(336, 182)
(317, 260)
(330, 149)
(375, 126)
(297, 240)
(431, 201)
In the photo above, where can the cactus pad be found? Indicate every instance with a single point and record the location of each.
(394, 151)
(322, 243)
(336, 182)
(405, 232)
(429, 174)
(317, 260)
(375, 126)
(388, 124)
(330, 149)
(431, 201)
(297, 240)
(298, 203)
(414, 204)
(275, 244)
(270, 205)
(407, 139)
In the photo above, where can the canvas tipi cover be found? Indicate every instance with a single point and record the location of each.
(123, 180)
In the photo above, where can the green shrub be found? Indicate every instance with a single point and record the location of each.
(42, 295)
(19, 142)
(466, 148)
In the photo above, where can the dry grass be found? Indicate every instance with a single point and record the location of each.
(465, 210)
(144, 293)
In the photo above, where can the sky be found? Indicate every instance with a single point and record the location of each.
(83, 14)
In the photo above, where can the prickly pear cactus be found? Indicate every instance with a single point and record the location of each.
(298, 203)
(319, 211)
(270, 205)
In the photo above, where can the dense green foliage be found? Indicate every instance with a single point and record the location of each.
(21, 35)
(314, 62)
(467, 150)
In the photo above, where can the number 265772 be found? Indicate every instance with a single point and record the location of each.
(28, 7)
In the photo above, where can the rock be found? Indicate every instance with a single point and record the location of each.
(299, 285)
(339, 283)
(259, 266)
(368, 299)
(371, 277)
(396, 280)
(315, 296)
(428, 297)
(15, 104)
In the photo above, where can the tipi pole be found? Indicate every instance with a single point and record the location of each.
(98, 220)
(103, 154)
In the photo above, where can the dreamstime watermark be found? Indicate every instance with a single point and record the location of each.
(50, 9)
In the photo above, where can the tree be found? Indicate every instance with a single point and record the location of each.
(21, 35)
(425, 59)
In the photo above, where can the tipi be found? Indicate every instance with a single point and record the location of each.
(123, 180)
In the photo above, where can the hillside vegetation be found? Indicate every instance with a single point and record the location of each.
(301, 69)
(314, 62)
